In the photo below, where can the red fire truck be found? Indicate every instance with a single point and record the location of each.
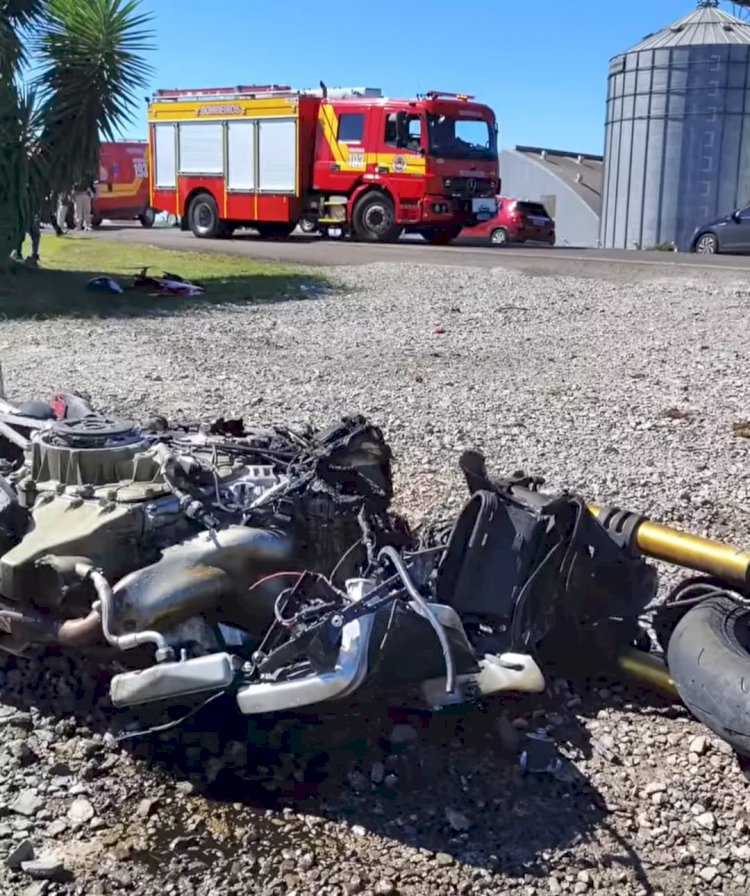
(347, 161)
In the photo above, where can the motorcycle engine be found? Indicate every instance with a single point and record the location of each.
(95, 489)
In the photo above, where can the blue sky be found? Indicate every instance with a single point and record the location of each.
(540, 64)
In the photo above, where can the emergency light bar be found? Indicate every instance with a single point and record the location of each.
(222, 91)
(343, 92)
(438, 94)
(269, 90)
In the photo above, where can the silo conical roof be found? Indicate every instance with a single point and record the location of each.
(705, 26)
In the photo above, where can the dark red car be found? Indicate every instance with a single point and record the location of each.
(516, 221)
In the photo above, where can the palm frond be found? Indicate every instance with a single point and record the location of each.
(18, 18)
(93, 63)
(92, 73)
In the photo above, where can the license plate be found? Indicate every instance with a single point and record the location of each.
(540, 222)
(483, 209)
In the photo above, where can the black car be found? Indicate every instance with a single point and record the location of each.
(729, 233)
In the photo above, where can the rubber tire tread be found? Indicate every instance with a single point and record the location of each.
(147, 218)
(209, 200)
(717, 250)
(711, 668)
(360, 229)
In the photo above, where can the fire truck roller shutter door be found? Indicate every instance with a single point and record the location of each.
(277, 155)
(241, 156)
(165, 152)
(201, 148)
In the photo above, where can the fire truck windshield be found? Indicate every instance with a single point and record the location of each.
(461, 138)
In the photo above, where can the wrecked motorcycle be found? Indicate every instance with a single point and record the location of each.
(268, 566)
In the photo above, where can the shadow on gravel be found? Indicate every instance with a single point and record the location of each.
(450, 784)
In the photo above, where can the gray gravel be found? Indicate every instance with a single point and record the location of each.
(628, 392)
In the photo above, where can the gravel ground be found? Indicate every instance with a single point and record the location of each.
(629, 392)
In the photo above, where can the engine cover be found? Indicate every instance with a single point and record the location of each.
(107, 534)
(93, 451)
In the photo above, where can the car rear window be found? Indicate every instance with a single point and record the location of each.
(532, 208)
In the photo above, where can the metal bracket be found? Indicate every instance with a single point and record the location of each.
(622, 527)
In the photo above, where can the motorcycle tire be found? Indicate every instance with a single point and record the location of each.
(709, 660)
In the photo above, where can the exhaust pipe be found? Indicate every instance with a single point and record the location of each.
(194, 575)
(189, 578)
(23, 628)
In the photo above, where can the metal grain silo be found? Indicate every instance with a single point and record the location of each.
(677, 138)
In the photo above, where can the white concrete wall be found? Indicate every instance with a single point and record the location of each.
(576, 224)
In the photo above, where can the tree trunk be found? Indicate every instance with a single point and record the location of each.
(14, 170)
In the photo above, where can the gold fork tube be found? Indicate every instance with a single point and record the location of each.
(690, 551)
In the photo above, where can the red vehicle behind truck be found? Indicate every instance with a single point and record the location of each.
(122, 190)
(516, 221)
(347, 161)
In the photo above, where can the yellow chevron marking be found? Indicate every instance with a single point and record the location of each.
(329, 125)
(351, 159)
(120, 191)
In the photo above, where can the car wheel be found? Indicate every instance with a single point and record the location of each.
(499, 237)
(707, 244)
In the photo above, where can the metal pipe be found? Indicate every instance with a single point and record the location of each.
(104, 594)
(396, 561)
(80, 632)
(70, 633)
(690, 551)
(649, 670)
(196, 573)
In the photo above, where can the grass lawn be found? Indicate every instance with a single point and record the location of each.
(58, 287)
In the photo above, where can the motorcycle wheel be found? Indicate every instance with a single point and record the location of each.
(709, 660)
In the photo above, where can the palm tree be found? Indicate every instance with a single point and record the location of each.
(70, 74)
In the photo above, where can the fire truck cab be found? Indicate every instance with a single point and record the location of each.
(347, 161)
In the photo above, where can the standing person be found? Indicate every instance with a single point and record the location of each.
(84, 190)
(34, 230)
(61, 213)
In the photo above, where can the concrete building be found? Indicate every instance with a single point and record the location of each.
(568, 183)
(677, 139)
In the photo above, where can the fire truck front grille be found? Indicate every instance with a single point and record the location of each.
(467, 188)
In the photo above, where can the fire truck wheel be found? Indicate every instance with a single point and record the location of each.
(308, 225)
(374, 219)
(204, 216)
(147, 218)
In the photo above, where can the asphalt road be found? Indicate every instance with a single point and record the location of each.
(544, 261)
